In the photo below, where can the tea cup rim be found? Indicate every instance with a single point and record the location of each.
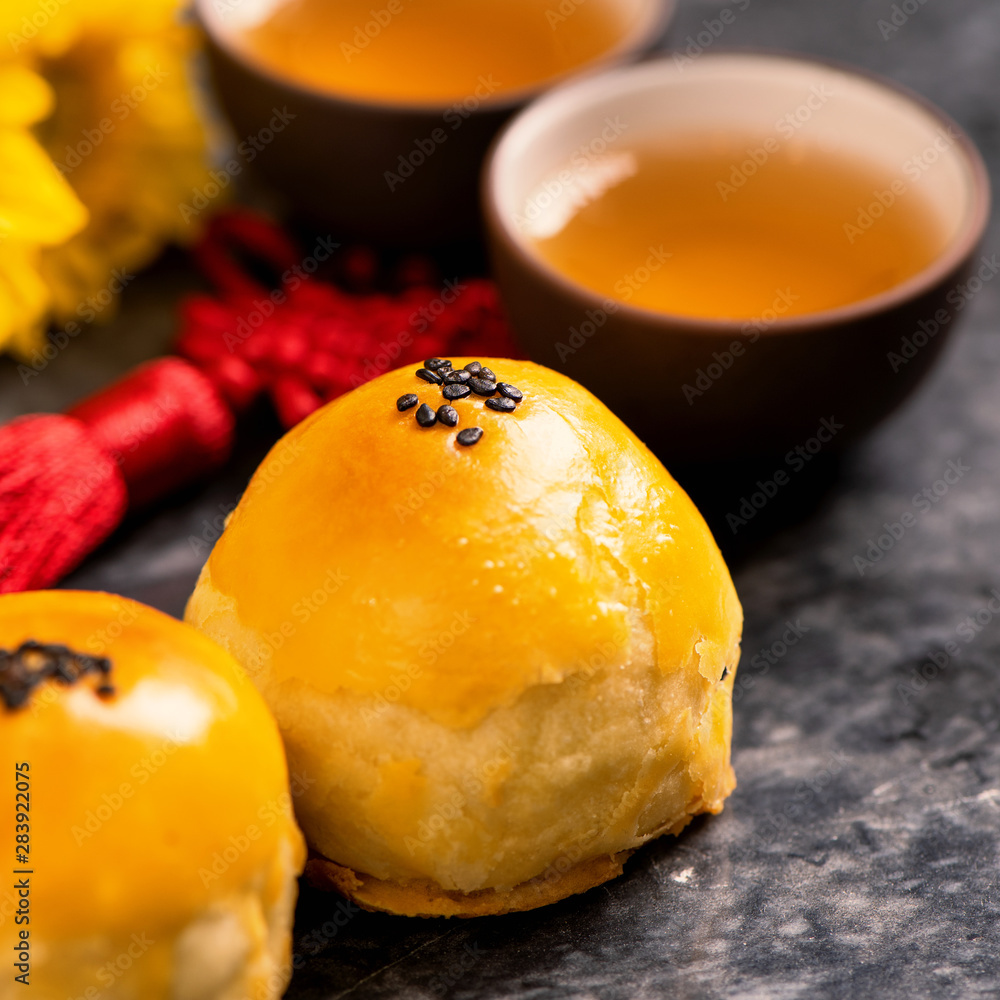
(640, 40)
(569, 97)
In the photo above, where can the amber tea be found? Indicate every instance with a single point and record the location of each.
(726, 228)
(420, 51)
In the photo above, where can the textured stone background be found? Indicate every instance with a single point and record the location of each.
(858, 858)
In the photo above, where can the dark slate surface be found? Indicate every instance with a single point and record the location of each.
(858, 858)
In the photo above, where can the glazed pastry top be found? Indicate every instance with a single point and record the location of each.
(158, 781)
(373, 552)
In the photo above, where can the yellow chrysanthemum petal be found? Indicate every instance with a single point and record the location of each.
(36, 203)
(123, 139)
(32, 31)
(25, 97)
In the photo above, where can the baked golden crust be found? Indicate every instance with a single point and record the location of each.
(486, 658)
(367, 547)
(160, 809)
(424, 898)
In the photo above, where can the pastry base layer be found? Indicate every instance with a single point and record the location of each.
(422, 898)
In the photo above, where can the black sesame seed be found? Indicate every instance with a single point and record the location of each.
(473, 367)
(470, 436)
(458, 391)
(453, 378)
(435, 364)
(406, 402)
(487, 374)
(481, 387)
(428, 376)
(501, 404)
(426, 417)
(32, 663)
(510, 391)
(448, 416)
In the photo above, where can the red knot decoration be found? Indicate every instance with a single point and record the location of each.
(66, 481)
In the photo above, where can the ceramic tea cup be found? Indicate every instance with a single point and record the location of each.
(701, 387)
(384, 171)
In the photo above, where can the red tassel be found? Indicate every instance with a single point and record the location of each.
(66, 481)
(307, 342)
(165, 425)
(61, 495)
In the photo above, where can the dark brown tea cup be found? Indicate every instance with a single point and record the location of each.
(709, 388)
(391, 173)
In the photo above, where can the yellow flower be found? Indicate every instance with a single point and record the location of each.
(37, 207)
(100, 144)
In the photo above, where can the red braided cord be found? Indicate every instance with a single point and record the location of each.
(165, 425)
(306, 341)
(60, 496)
(66, 481)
